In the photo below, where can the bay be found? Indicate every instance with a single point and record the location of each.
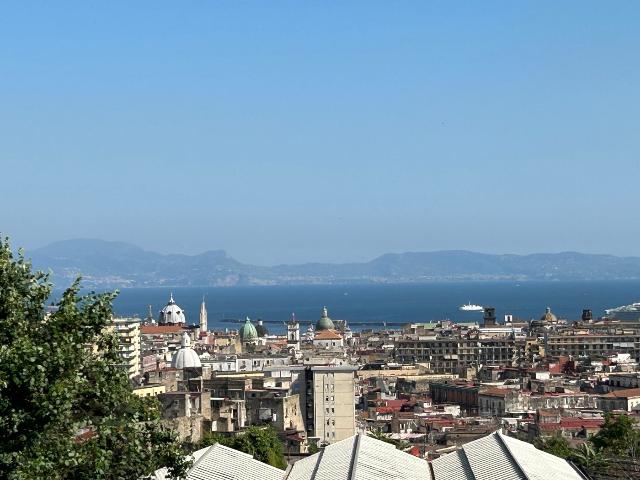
(376, 304)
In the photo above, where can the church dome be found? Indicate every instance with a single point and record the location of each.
(248, 331)
(548, 317)
(186, 357)
(325, 323)
(171, 313)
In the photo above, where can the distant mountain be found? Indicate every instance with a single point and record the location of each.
(117, 264)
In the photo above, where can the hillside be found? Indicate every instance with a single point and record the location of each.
(117, 264)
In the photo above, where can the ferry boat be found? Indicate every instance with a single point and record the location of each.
(625, 313)
(470, 307)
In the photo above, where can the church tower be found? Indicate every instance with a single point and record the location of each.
(203, 317)
(293, 333)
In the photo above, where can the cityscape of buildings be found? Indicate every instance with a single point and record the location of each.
(305, 193)
(445, 391)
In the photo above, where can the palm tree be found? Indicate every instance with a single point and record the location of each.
(589, 458)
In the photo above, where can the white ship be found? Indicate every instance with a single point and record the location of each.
(470, 307)
(625, 313)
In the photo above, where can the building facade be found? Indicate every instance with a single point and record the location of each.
(127, 331)
(454, 354)
(327, 400)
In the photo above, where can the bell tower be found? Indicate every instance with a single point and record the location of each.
(293, 333)
(203, 317)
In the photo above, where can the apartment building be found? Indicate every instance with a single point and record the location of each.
(593, 344)
(453, 354)
(128, 332)
(327, 400)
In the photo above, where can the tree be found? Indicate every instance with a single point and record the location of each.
(557, 445)
(67, 410)
(617, 436)
(262, 443)
(590, 459)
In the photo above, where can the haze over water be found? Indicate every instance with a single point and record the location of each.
(382, 303)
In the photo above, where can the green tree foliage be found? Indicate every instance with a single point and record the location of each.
(617, 436)
(262, 443)
(589, 458)
(616, 444)
(67, 412)
(558, 446)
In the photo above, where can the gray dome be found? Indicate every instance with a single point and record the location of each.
(171, 313)
(186, 357)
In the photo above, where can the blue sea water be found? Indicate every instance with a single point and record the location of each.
(377, 304)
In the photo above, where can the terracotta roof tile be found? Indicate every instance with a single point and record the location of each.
(327, 335)
(160, 329)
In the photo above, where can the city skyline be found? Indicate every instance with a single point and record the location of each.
(322, 132)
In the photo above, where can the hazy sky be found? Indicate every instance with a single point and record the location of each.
(322, 131)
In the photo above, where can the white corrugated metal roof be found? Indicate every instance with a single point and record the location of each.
(498, 457)
(380, 460)
(218, 462)
(494, 457)
(303, 469)
(536, 464)
(453, 466)
(489, 460)
(360, 458)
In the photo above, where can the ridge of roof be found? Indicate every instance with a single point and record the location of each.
(354, 457)
(499, 435)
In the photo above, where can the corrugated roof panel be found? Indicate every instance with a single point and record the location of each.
(335, 461)
(374, 460)
(303, 469)
(452, 466)
(539, 465)
(379, 460)
(490, 460)
(223, 463)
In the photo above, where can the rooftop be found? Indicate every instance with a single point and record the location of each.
(159, 329)
(360, 458)
(626, 393)
(327, 335)
(220, 462)
(498, 457)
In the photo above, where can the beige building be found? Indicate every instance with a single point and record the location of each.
(150, 390)
(454, 354)
(329, 339)
(328, 402)
(626, 399)
(128, 333)
(583, 343)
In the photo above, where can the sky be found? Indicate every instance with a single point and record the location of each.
(287, 132)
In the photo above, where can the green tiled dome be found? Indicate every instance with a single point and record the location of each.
(325, 322)
(248, 332)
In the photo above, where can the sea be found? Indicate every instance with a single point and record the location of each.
(373, 306)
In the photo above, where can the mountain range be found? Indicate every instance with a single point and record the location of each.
(117, 264)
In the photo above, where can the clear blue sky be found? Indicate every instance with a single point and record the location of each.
(322, 131)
